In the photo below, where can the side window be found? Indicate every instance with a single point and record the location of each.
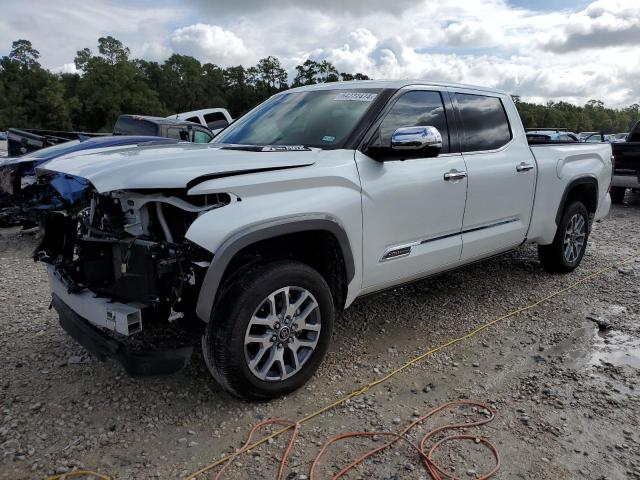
(201, 137)
(193, 119)
(216, 120)
(178, 133)
(414, 109)
(485, 122)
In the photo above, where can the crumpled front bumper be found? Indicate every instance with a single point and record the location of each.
(103, 346)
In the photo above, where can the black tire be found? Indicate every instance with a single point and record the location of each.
(223, 342)
(552, 257)
(617, 194)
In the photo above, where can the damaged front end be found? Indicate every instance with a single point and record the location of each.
(123, 266)
(26, 199)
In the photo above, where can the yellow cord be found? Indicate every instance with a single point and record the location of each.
(384, 378)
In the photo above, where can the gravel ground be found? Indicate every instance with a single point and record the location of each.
(563, 379)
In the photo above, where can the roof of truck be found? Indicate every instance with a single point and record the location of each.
(394, 84)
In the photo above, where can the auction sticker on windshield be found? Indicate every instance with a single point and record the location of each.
(356, 96)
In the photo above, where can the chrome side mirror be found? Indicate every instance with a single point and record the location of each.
(417, 138)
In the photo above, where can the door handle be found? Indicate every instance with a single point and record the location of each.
(524, 167)
(454, 175)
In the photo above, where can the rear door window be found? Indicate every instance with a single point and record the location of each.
(485, 122)
(216, 120)
(419, 108)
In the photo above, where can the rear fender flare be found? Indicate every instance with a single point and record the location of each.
(586, 180)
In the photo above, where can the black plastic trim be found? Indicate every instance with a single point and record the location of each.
(136, 363)
(567, 190)
(257, 233)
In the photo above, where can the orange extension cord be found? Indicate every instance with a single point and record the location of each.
(436, 472)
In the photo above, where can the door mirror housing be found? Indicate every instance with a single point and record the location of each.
(409, 142)
(417, 138)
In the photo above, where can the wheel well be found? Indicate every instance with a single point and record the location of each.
(583, 190)
(319, 249)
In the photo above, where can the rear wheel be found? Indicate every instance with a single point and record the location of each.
(570, 242)
(617, 194)
(270, 331)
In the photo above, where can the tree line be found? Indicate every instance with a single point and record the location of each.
(111, 83)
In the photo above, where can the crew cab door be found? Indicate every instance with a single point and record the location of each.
(413, 208)
(501, 174)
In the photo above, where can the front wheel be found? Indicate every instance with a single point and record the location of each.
(270, 331)
(570, 242)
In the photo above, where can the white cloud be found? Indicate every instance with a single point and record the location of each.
(575, 54)
(467, 34)
(66, 68)
(607, 23)
(209, 43)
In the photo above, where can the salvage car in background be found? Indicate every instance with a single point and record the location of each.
(317, 196)
(184, 130)
(214, 119)
(550, 136)
(22, 141)
(626, 173)
(22, 199)
(598, 138)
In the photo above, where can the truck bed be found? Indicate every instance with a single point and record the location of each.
(558, 165)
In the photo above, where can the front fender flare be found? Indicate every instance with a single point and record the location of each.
(256, 233)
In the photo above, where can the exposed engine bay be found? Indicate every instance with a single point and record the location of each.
(129, 247)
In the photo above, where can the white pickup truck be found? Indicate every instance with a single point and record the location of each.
(317, 196)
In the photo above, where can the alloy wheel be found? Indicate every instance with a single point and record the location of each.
(574, 238)
(282, 333)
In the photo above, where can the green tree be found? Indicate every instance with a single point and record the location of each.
(181, 85)
(111, 85)
(30, 96)
(113, 50)
(23, 52)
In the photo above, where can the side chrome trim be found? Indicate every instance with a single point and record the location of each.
(404, 250)
(399, 251)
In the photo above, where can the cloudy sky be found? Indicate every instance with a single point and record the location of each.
(541, 50)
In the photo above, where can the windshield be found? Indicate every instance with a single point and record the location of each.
(320, 118)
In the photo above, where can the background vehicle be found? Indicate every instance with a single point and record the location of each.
(317, 196)
(162, 127)
(550, 136)
(22, 141)
(213, 118)
(598, 138)
(583, 135)
(626, 173)
(22, 200)
(620, 137)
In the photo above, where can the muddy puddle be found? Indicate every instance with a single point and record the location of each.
(616, 348)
